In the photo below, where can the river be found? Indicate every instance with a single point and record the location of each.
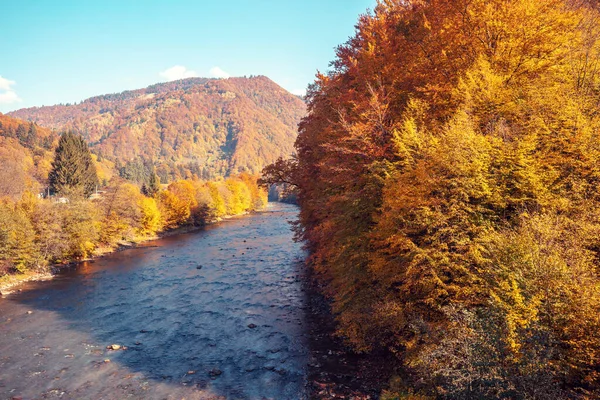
(219, 313)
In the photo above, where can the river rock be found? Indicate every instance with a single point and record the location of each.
(199, 267)
(251, 326)
(30, 312)
(114, 347)
(214, 372)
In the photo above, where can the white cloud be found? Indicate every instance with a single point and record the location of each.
(9, 97)
(5, 84)
(7, 94)
(177, 72)
(217, 72)
(299, 92)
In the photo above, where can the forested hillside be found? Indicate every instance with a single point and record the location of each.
(195, 127)
(25, 156)
(448, 175)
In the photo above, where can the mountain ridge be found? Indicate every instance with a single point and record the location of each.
(199, 127)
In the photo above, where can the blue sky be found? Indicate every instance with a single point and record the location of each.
(66, 51)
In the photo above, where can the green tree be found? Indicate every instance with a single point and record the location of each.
(31, 134)
(22, 133)
(73, 170)
(153, 186)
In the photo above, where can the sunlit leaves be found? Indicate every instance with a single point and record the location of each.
(446, 161)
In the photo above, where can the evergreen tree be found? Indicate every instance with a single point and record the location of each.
(22, 133)
(73, 170)
(31, 134)
(153, 186)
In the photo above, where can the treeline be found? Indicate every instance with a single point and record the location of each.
(141, 169)
(448, 176)
(35, 233)
(27, 134)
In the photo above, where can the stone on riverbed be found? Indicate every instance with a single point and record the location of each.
(213, 373)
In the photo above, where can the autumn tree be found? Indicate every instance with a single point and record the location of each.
(218, 202)
(48, 220)
(17, 239)
(281, 175)
(176, 203)
(150, 218)
(121, 213)
(81, 228)
(440, 192)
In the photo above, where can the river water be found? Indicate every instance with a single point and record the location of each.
(218, 313)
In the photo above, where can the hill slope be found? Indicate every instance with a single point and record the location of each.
(195, 126)
(25, 156)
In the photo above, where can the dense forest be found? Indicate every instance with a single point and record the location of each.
(192, 128)
(447, 174)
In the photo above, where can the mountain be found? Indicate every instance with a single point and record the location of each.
(191, 127)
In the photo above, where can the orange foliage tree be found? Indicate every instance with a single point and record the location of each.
(447, 174)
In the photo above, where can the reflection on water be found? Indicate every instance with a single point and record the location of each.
(218, 313)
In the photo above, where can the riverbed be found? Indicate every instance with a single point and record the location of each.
(218, 313)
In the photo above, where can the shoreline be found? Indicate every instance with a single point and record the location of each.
(9, 283)
(334, 369)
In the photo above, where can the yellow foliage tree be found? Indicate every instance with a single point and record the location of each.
(218, 203)
(150, 222)
(122, 216)
(440, 190)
